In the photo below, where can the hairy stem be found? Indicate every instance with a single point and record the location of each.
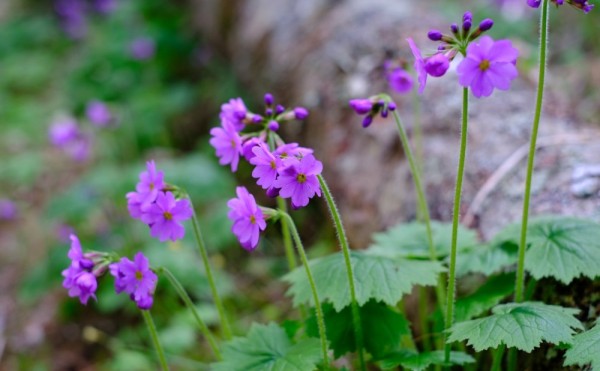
(451, 292)
(188, 302)
(532, 144)
(211, 281)
(287, 238)
(341, 235)
(318, 309)
(153, 334)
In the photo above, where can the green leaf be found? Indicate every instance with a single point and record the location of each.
(568, 247)
(382, 327)
(520, 325)
(377, 277)
(410, 240)
(487, 295)
(267, 347)
(420, 361)
(486, 259)
(586, 349)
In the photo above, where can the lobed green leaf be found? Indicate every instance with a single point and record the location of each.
(487, 295)
(268, 348)
(520, 325)
(586, 349)
(377, 277)
(419, 361)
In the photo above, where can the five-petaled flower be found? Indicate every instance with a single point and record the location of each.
(136, 279)
(166, 215)
(488, 64)
(298, 180)
(248, 219)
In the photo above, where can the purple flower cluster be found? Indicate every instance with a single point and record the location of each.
(155, 205)
(288, 170)
(136, 279)
(579, 4)
(80, 280)
(487, 64)
(371, 107)
(248, 219)
(66, 135)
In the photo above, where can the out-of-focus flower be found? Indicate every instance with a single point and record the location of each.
(98, 113)
(400, 81)
(228, 144)
(142, 48)
(79, 279)
(8, 209)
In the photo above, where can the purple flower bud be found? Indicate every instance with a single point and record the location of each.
(279, 109)
(257, 119)
(361, 106)
(269, 112)
(273, 192)
(301, 113)
(486, 24)
(434, 35)
(560, 2)
(86, 264)
(534, 3)
(269, 99)
(367, 121)
(466, 26)
(384, 112)
(248, 146)
(441, 48)
(437, 65)
(273, 125)
(454, 28)
(468, 16)
(392, 106)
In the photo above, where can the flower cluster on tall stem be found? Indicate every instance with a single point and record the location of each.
(136, 279)
(282, 169)
(80, 278)
(583, 5)
(154, 204)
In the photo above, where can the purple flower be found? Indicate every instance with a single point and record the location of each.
(400, 81)
(8, 209)
(72, 17)
(248, 147)
(289, 150)
(372, 106)
(136, 279)
(150, 184)
(248, 219)
(489, 64)
(79, 281)
(437, 65)
(361, 106)
(104, 6)
(300, 113)
(234, 113)
(534, 3)
(63, 131)
(298, 180)
(166, 215)
(134, 205)
(98, 113)
(419, 65)
(266, 166)
(228, 144)
(142, 48)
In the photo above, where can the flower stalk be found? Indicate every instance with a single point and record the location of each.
(318, 309)
(341, 235)
(188, 302)
(451, 292)
(211, 281)
(154, 335)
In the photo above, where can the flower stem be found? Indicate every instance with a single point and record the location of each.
(211, 281)
(451, 292)
(287, 239)
(341, 235)
(532, 144)
(318, 309)
(497, 358)
(152, 329)
(188, 302)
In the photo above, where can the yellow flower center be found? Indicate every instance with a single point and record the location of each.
(252, 219)
(273, 166)
(301, 178)
(484, 65)
(167, 215)
(138, 275)
(233, 143)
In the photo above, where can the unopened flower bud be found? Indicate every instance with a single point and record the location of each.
(437, 65)
(486, 24)
(466, 26)
(361, 106)
(279, 109)
(434, 35)
(273, 125)
(454, 28)
(269, 99)
(301, 113)
(392, 106)
(269, 112)
(367, 121)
